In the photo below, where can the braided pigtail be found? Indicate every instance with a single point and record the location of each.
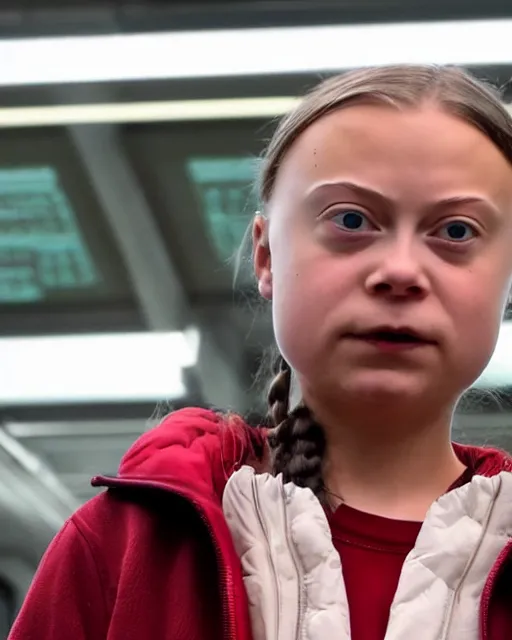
(297, 441)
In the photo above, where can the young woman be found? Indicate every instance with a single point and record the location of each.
(385, 248)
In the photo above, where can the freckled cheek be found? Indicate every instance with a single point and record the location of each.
(475, 307)
(307, 293)
(297, 318)
(484, 292)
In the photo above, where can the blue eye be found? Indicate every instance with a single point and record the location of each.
(352, 220)
(457, 231)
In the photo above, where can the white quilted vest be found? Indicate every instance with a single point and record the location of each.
(294, 578)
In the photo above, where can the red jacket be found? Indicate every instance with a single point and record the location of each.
(153, 558)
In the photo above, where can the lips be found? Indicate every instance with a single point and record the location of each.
(392, 335)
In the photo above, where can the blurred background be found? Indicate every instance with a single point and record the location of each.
(129, 141)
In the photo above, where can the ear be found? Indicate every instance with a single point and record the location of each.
(261, 256)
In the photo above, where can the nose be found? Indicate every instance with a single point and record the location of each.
(399, 274)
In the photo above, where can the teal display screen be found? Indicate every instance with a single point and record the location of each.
(227, 196)
(42, 251)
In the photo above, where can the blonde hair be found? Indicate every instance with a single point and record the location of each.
(297, 441)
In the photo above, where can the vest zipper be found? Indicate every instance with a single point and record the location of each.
(485, 526)
(228, 604)
(263, 528)
(298, 569)
(295, 560)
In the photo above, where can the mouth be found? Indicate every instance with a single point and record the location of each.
(393, 338)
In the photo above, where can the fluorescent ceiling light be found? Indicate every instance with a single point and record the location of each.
(156, 111)
(161, 111)
(498, 373)
(95, 368)
(245, 52)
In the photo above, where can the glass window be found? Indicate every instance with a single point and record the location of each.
(60, 267)
(43, 254)
(199, 179)
(228, 199)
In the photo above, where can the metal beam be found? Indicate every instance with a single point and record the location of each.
(156, 283)
(155, 279)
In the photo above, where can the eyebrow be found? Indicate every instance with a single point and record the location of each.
(318, 192)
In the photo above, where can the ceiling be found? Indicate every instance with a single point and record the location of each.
(36, 17)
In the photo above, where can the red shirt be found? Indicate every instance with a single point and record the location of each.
(372, 551)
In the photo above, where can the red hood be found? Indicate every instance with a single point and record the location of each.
(483, 461)
(195, 450)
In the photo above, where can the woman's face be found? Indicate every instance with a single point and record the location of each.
(388, 254)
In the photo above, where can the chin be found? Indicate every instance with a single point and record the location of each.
(384, 387)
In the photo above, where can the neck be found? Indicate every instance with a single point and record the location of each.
(395, 472)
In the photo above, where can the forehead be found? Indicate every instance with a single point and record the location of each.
(405, 152)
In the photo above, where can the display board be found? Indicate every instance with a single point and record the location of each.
(227, 194)
(43, 254)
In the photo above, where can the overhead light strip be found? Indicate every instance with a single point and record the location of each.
(249, 52)
(159, 111)
(155, 111)
(101, 368)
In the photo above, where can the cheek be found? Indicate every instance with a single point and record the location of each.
(476, 311)
(308, 290)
